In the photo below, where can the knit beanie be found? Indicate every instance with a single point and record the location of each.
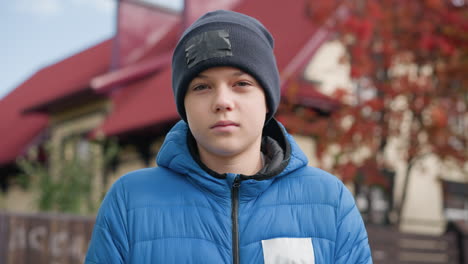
(226, 38)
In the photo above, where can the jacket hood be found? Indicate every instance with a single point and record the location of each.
(283, 157)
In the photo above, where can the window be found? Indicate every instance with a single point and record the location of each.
(77, 147)
(455, 200)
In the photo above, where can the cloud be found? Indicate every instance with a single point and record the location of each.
(102, 6)
(39, 7)
(56, 7)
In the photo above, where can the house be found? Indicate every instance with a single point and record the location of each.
(119, 90)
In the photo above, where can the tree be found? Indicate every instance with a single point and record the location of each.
(409, 62)
(70, 189)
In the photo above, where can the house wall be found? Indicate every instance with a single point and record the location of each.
(307, 145)
(18, 199)
(423, 211)
(328, 72)
(73, 122)
(129, 160)
(64, 124)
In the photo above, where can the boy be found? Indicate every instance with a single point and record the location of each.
(232, 186)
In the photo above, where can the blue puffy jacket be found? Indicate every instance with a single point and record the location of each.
(182, 212)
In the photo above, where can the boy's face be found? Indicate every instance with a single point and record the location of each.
(226, 111)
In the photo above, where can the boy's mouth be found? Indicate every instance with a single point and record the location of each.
(224, 123)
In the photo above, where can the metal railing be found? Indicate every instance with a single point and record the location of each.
(390, 246)
(63, 239)
(44, 238)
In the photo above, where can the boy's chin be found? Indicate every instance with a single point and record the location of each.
(224, 152)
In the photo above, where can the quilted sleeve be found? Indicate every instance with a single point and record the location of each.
(352, 245)
(109, 241)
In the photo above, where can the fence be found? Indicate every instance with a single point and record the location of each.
(390, 246)
(43, 238)
(63, 239)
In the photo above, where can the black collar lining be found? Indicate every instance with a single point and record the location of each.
(274, 140)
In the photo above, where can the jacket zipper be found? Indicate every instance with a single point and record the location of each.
(235, 219)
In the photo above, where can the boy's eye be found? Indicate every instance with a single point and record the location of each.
(200, 87)
(242, 83)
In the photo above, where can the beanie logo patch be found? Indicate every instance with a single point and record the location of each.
(207, 45)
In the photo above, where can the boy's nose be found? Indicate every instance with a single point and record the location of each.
(223, 100)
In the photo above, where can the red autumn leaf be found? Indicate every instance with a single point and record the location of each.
(356, 72)
(375, 10)
(376, 104)
(348, 172)
(425, 42)
(445, 47)
(317, 127)
(340, 93)
(365, 30)
(439, 116)
(439, 138)
(372, 174)
(434, 4)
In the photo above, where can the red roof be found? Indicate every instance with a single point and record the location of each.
(288, 23)
(55, 83)
(141, 29)
(135, 71)
(140, 105)
(17, 133)
(67, 77)
(308, 96)
(150, 102)
(18, 130)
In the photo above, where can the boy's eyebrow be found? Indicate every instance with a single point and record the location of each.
(201, 76)
(237, 73)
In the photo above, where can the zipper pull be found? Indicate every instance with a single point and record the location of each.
(236, 183)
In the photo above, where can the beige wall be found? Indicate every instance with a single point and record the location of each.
(423, 211)
(18, 200)
(77, 121)
(326, 69)
(63, 124)
(307, 144)
(129, 160)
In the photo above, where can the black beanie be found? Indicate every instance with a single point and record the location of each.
(226, 38)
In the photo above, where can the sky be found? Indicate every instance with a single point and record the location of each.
(37, 33)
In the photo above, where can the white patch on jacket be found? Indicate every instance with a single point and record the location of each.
(287, 250)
